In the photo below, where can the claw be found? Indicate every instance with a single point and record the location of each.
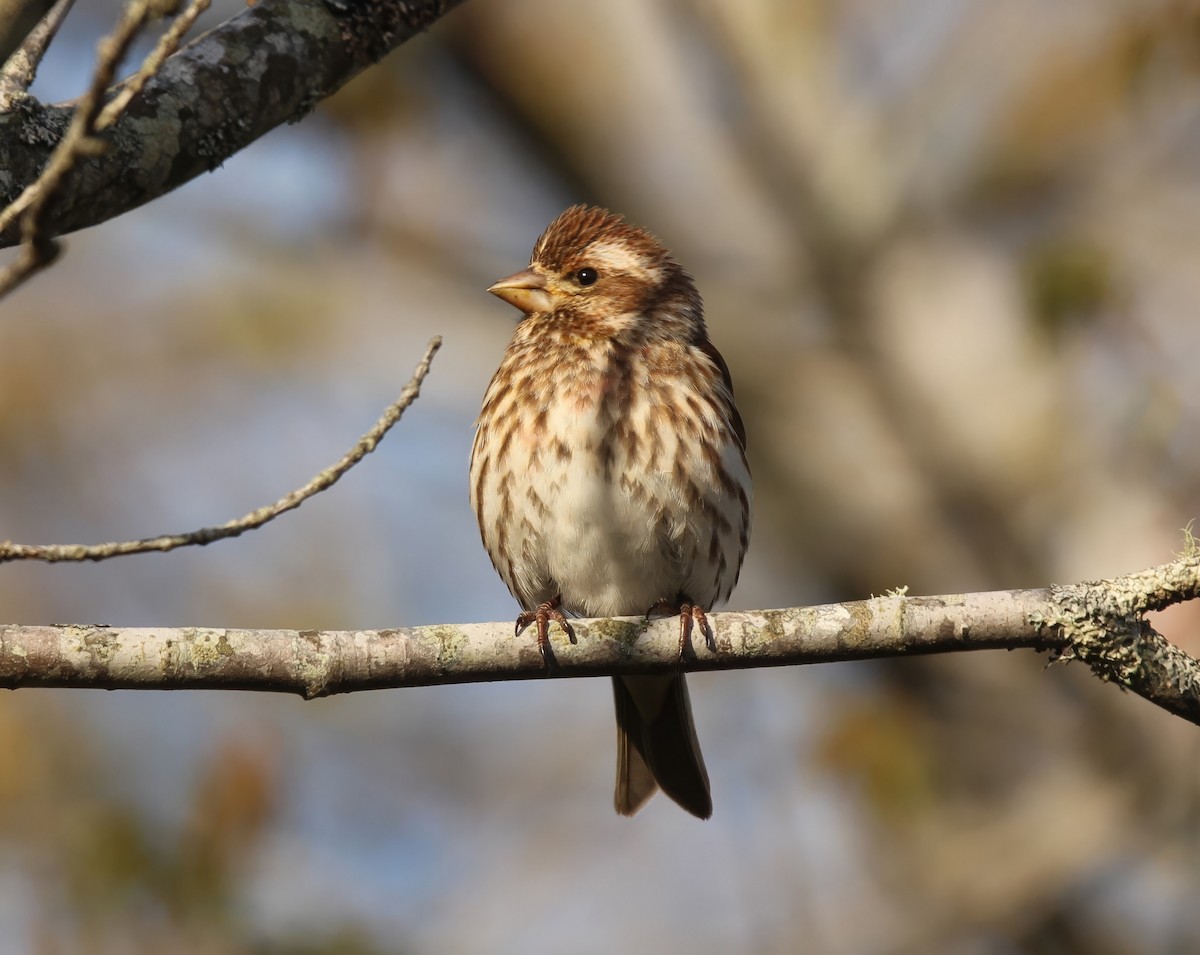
(664, 605)
(690, 615)
(542, 615)
(685, 630)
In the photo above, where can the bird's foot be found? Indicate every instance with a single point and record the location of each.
(541, 616)
(693, 614)
(690, 616)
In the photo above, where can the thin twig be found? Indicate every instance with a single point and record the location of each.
(36, 253)
(168, 43)
(80, 140)
(18, 18)
(55, 553)
(18, 73)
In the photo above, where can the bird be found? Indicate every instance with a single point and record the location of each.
(608, 472)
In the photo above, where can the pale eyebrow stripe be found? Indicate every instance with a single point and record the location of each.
(619, 257)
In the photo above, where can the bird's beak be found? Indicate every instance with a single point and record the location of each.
(526, 290)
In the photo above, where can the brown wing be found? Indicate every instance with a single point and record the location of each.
(710, 350)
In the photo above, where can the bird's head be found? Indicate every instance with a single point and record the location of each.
(593, 273)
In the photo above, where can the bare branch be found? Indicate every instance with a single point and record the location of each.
(270, 64)
(18, 73)
(80, 141)
(36, 253)
(168, 43)
(1089, 621)
(17, 19)
(55, 553)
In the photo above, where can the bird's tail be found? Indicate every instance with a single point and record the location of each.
(657, 745)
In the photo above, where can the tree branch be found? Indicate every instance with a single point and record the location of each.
(1099, 622)
(56, 553)
(268, 65)
(91, 117)
(18, 73)
(17, 19)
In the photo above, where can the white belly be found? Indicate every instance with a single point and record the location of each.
(609, 552)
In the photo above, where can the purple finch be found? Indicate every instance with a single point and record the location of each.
(609, 471)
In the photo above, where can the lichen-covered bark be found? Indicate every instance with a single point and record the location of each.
(317, 663)
(1100, 623)
(268, 65)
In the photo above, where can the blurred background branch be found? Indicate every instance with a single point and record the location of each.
(17, 19)
(24, 53)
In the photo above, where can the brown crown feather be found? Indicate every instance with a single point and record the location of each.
(580, 226)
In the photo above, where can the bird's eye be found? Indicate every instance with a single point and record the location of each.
(587, 276)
